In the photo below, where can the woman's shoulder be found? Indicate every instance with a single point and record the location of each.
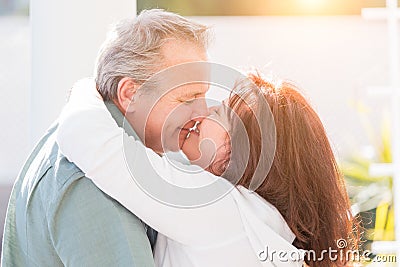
(260, 209)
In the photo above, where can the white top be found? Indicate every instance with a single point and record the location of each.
(239, 229)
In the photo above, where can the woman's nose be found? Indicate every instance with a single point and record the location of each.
(212, 109)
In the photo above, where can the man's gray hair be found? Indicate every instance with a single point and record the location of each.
(133, 47)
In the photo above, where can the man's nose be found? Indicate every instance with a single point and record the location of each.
(200, 109)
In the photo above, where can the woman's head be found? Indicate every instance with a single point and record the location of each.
(301, 179)
(304, 182)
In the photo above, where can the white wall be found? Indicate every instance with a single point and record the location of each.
(41, 59)
(14, 92)
(332, 58)
(65, 38)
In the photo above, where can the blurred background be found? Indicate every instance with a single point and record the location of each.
(339, 52)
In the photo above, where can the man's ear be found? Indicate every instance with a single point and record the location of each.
(127, 89)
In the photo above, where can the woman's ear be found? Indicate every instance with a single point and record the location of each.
(127, 89)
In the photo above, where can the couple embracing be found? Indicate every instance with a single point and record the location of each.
(257, 183)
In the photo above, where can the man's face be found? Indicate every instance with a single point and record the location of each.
(162, 117)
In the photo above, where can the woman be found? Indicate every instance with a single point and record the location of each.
(301, 203)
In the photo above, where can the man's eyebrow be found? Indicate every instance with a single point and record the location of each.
(200, 93)
(190, 94)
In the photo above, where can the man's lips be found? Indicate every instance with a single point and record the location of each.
(189, 131)
(184, 130)
(184, 135)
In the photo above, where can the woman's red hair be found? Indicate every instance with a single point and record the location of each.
(304, 182)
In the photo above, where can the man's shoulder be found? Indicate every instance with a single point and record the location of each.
(54, 192)
(49, 176)
(51, 181)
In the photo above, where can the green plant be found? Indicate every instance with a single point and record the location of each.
(372, 196)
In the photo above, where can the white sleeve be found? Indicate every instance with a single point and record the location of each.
(140, 179)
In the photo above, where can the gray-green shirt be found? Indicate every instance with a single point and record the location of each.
(58, 217)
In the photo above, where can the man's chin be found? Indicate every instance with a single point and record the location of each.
(173, 147)
(182, 138)
(181, 143)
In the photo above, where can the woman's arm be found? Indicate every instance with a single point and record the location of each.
(140, 179)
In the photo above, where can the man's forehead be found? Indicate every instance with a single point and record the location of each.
(190, 89)
(176, 52)
(190, 77)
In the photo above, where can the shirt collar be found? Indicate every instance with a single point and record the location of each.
(120, 119)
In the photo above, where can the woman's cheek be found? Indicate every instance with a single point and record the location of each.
(191, 148)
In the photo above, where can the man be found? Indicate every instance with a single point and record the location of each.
(58, 217)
